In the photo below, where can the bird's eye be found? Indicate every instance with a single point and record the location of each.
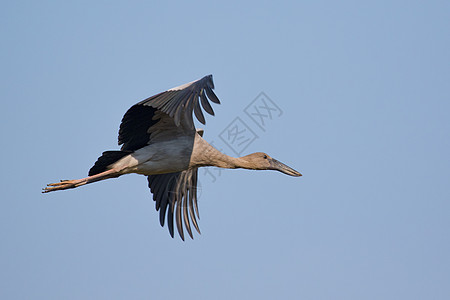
(265, 156)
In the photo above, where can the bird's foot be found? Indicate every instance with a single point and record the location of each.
(62, 182)
(63, 185)
(70, 184)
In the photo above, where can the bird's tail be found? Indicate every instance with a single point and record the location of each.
(107, 159)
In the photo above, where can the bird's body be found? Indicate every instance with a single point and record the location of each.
(176, 155)
(159, 158)
(159, 140)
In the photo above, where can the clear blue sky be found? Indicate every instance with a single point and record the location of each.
(364, 91)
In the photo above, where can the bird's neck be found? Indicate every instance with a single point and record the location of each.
(228, 162)
(206, 155)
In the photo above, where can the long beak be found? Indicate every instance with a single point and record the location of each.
(279, 166)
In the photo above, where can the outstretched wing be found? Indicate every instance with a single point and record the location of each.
(176, 194)
(178, 103)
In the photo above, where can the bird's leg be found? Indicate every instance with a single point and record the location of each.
(71, 184)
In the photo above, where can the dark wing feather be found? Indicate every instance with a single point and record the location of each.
(179, 103)
(198, 113)
(175, 194)
(174, 101)
(133, 131)
(205, 104)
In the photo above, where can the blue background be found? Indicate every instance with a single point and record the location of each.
(364, 89)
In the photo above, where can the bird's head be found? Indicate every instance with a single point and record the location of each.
(262, 161)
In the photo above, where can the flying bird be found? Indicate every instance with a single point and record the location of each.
(159, 140)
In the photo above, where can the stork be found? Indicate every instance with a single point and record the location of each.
(159, 140)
